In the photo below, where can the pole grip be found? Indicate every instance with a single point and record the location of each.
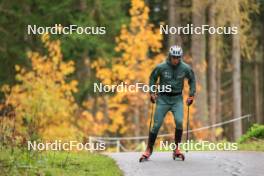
(151, 114)
(187, 132)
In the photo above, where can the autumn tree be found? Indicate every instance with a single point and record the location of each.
(212, 62)
(43, 97)
(135, 43)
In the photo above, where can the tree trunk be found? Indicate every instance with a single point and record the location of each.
(174, 20)
(236, 74)
(257, 93)
(212, 69)
(218, 89)
(199, 63)
(218, 93)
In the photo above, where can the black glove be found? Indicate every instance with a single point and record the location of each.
(189, 101)
(153, 98)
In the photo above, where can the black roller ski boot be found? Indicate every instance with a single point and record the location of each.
(177, 153)
(151, 141)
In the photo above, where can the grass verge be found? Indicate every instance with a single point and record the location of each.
(252, 146)
(49, 163)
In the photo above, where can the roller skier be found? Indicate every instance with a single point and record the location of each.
(171, 72)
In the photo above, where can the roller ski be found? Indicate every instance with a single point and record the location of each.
(178, 154)
(146, 155)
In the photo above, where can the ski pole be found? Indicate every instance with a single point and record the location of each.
(151, 114)
(187, 133)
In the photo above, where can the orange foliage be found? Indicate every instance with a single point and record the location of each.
(134, 66)
(43, 100)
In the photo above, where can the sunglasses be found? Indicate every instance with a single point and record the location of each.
(176, 57)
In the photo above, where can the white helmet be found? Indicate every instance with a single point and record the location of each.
(175, 50)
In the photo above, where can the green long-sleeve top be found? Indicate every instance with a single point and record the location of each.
(169, 74)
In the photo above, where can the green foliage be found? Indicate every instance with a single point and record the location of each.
(256, 131)
(16, 15)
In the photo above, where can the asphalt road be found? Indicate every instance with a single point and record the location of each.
(237, 163)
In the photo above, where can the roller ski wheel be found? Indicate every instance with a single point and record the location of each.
(143, 158)
(179, 155)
